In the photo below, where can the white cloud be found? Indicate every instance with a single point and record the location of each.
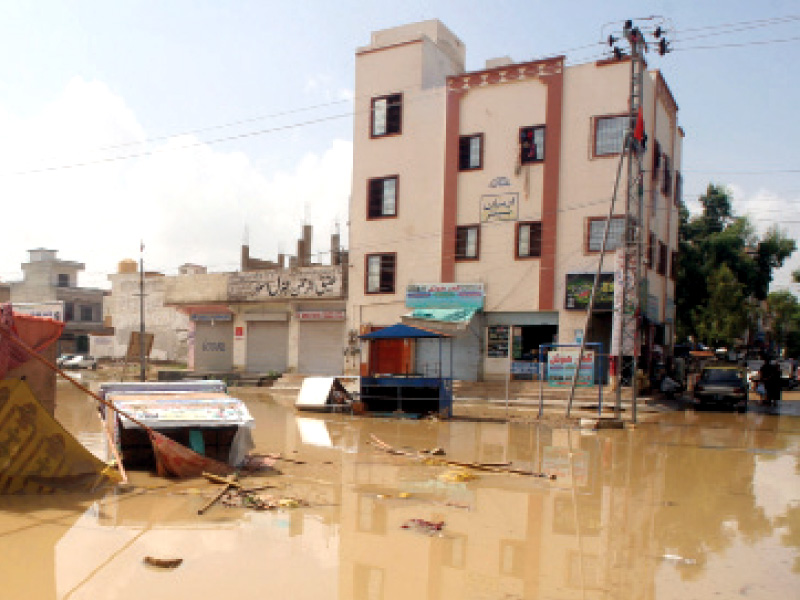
(188, 201)
(767, 209)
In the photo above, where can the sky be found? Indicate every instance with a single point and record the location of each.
(193, 126)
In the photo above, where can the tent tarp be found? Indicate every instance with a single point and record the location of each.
(402, 331)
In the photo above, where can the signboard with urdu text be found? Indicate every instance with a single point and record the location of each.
(561, 367)
(579, 291)
(445, 295)
(500, 207)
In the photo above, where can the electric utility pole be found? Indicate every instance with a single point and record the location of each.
(142, 353)
(632, 297)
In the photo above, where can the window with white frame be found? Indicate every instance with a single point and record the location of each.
(467, 238)
(387, 115)
(470, 152)
(531, 144)
(382, 201)
(609, 134)
(529, 239)
(616, 232)
(381, 273)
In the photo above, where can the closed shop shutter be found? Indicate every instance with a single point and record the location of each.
(321, 347)
(466, 356)
(267, 342)
(213, 346)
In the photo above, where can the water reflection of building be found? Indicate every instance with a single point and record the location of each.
(587, 532)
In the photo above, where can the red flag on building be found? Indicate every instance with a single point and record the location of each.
(638, 132)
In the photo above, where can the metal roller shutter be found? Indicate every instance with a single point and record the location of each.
(213, 346)
(466, 356)
(321, 347)
(267, 343)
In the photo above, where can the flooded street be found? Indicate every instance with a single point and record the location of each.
(691, 505)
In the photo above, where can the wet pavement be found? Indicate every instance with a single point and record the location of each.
(687, 505)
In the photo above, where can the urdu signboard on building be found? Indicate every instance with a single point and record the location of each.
(307, 282)
(579, 291)
(445, 295)
(500, 207)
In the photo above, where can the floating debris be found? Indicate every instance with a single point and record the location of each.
(404, 495)
(424, 526)
(678, 559)
(457, 476)
(163, 563)
(434, 451)
(428, 459)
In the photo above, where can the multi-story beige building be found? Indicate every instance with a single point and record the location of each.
(487, 191)
(52, 283)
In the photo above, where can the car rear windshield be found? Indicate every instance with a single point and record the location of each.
(721, 375)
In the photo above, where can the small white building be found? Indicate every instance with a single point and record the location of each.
(122, 311)
(48, 280)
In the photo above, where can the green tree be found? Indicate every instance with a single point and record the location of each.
(784, 313)
(724, 317)
(714, 239)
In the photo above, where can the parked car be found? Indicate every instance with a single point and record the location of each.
(80, 361)
(721, 386)
(788, 367)
(63, 358)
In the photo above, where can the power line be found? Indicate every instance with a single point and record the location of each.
(769, 21)
(738, 45)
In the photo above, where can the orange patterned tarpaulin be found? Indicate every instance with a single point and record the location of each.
(179, 461)
(39, 456)
(37, 332)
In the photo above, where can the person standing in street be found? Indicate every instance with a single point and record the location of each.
(770, 376)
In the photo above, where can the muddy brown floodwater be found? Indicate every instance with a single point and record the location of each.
(689, 505)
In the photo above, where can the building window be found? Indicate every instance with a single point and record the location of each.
(651, 245)
(86, 313)
(662, 258)
(673, 268)
(531, 144)
(381, 273)
(470, 152)
(387, 115)
(382, 197)
(63, 280)
(609, 134)
(656, 160)
(666, 185)
(69, 311)
(597, 226)
(529, 239)
(678, 188)
(467, 239)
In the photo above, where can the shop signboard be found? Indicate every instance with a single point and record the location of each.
(500, 207)
(305, 282)
(320, 315)
(561, 364)
(445, 295)
(579, 291)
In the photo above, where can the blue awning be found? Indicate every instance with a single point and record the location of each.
(401, 331)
